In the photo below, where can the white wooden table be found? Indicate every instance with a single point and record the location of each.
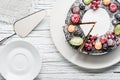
(54, 66)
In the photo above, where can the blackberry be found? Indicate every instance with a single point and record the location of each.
(105, 47)
(117, 16)
(82, 7)
(114, 22)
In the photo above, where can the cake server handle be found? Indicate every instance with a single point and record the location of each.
(6, 38)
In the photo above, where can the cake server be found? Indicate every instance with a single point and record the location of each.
(25, 25)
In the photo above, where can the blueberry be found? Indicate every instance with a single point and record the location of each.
(117, 16)
(82, 7)
(114, 22)
(105, 47)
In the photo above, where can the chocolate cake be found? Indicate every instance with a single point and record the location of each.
(88, 43)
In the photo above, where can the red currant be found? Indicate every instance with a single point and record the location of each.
(95, 37)
(94, 2)
(93, 43)
(103, 39)
(92, 38)
(94, 8)
(89, 41)
(89, 47)
(86, 44)
(97, 2)
(107, 33)
(97, 6)
(91, 6)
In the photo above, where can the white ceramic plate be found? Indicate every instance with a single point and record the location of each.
(20, 60)
(85, 61)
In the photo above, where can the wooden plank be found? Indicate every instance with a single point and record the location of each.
(55, 67)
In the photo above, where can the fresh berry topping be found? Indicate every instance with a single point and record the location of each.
(82, 7)
(92, 38)
(92, 6)
(95, 4)
(89, 41)
(107, 33)
(110, 35)
(89, 47)
(114, 22)
(118, 43)
(95, 37)
(93, 43)
(86, 44)
(105, 47)
(103, 39)
(75, 18)
(110, 42)
(113, 7)
(76, 9)
(117, 16)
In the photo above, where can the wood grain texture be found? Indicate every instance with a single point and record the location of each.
(55, 67)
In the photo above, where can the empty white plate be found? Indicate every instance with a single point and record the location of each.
(85, 61)
(20, 60)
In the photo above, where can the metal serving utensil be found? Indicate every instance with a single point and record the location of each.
(25, 25)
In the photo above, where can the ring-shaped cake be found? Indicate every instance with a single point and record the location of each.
(93, 26)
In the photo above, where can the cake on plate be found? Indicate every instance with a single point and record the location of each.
(93, 26)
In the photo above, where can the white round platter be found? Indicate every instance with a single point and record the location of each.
(59, 14)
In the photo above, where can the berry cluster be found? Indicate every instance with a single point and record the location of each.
(90, 42)
(75, 18)
(103, 39)
(95, 4)
(112, 39)
(108, 40)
